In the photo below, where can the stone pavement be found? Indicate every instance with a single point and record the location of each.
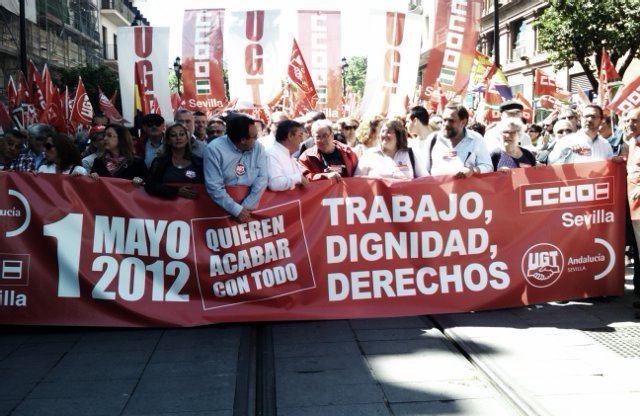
(553, 359)
(579, 358)
(400, 366)
(79, 371)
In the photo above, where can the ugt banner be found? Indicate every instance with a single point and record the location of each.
(79, 252)
(202, 59)
(319, 42)
(392, 62)
(454, 36)
(144, 47)
(258, 50)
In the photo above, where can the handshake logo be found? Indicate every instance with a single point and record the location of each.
(542, 265)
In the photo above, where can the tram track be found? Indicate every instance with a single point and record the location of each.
(255, 392)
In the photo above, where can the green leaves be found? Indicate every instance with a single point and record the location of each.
(574, 30)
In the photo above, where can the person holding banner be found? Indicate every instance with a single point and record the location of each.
(586, 145)
(394, 159)
(236, 159)
(175, 164)
(328, 158)
(453, 150)
(62, 157)
(284, 170)
(512, 155)
(118, 159)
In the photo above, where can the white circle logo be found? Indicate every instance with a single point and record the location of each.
(542, 265)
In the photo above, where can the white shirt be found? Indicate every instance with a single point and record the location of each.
(267, 141)
(52, 169)
(87, 162)
(470, 152)
(376, 164)
(284, 171)
(590, 150)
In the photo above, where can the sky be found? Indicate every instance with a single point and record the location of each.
(354, 16)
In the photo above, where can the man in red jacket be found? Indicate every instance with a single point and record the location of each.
(328, 158)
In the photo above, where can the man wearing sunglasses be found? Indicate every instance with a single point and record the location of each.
(33, 153)
(586, 145)
(153, 128)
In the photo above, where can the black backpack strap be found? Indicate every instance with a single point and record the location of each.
(431, 145)
(412, 159)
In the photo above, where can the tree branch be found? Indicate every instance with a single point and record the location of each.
(584, 63)
(627, 61)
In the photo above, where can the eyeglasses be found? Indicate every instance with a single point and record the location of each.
(321, 136)
(48, 145)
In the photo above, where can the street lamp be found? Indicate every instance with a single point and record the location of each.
(177, 68)
(344, 78)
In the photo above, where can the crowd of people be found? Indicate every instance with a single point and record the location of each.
(235, 149)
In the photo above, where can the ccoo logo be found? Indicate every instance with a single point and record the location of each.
(542, 265)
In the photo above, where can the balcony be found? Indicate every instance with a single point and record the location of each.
(117, 11)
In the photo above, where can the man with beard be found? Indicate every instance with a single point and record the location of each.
(585, 145)
(453, 151)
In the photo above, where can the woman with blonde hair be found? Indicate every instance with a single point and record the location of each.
(367, 134)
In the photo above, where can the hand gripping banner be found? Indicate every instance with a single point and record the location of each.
(79, 252)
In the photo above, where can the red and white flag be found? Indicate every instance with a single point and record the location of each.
(306, 96)
(108, 109)
(82, 110)
(12, 93)
(627, 98)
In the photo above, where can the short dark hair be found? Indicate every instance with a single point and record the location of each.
(478, 127)
(420, 113)
(597, 107)
(315, 116)
(285, 127)
(463, 114)
(152, 118)
(238, 126)
(199, 113)
(535, 127)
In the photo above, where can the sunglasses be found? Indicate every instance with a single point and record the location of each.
(48, 145)
(350, 127)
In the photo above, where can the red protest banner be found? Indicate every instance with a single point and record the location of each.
(202, 60)
(319, 41)
(453, 49)
(627, 98)
(362, 248)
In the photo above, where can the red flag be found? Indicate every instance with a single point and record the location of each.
(24, 93)
(12, 93)
(527, 112)
(5, 119)
(608, 74)
(82, 111)
(108, 109)
(627, 98)
(141, 103)
(306, 97)
(546, 91)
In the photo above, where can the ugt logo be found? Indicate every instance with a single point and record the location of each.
(542, 265)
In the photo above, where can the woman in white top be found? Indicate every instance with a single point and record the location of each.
(62, 156)
(393, 158)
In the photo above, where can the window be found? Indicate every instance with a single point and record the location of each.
(115, 46)
(519, 31)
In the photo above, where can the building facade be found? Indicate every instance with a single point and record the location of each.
(63, 33)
